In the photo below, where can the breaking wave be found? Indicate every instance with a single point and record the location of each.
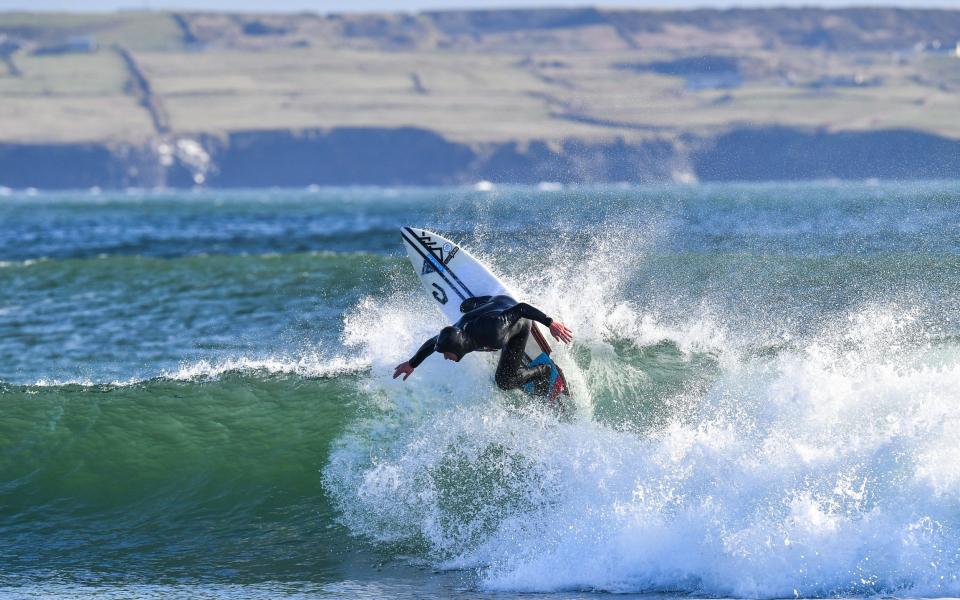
(711, 448)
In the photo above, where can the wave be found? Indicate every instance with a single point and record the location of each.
(816, 470)
(170, 476)
(92, 446)
(707, 452)
(826, 470)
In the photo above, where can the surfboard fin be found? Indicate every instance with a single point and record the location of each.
(559, 387)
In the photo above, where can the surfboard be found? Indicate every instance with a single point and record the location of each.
(450, 275)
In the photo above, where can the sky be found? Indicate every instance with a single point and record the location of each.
(324, 6)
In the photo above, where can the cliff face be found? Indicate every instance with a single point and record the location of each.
(410, 156)
(778, 153)
(341, 156)
(60, 166)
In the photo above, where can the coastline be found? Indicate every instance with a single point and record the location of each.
(410, 156)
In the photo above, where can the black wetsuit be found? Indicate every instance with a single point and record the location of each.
(495, 323)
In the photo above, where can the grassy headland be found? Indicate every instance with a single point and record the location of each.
(479, 78)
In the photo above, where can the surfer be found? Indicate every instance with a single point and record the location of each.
(492, 323)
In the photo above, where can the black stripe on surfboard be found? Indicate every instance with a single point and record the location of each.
(439, 272)
(440, 262)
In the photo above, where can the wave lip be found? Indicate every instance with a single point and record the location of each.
(311, 365)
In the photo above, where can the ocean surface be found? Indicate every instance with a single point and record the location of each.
(196, 397)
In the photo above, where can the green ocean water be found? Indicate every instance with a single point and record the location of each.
(196, 395)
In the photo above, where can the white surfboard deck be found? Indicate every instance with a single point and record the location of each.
(450, 275)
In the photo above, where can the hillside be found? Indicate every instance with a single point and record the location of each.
(159, 92)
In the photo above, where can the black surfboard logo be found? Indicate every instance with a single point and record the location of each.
(437, 251)
(427, 268)
(440, 294)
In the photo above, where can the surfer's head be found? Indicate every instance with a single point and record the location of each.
(452, 343)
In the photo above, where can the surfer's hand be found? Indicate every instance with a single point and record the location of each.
(403, 369)
(560, 331)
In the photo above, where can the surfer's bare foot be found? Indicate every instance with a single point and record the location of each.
(561, 332)
(403, 369)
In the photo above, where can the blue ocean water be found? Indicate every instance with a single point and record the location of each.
(197, 397)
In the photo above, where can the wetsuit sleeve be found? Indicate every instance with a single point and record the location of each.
(425, 350)
(472, 303)
(525, 311)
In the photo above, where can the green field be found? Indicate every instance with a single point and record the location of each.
(208, 75)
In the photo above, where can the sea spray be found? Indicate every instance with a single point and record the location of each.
(815, 472)
(818, 466)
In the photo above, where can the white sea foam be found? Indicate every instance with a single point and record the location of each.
(308, 365)
(315, 365)
(55, 382)
(6, 264)
(818, 472)
(829, 467)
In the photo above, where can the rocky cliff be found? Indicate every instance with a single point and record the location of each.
(411, 156)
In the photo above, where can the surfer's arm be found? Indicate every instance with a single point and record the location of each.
(406, 368)
(525, 311)
(557, 329)
(425, 350)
